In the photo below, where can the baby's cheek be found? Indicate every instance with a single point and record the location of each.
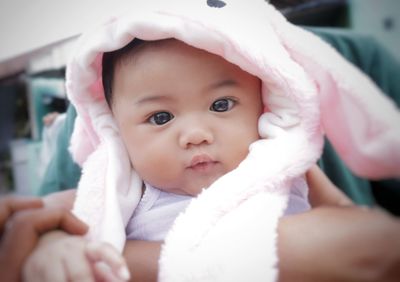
(152, 168)
(235, 159)
(137, 162)
(244, 149)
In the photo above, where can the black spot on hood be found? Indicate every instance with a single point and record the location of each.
(216, 3)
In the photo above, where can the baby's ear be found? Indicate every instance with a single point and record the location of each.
(360, 121)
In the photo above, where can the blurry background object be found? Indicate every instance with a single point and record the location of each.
(378, 18)
(13, 123)
(52, 122)
(332, 13)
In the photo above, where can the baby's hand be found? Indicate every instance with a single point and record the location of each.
(107, 263)
(58, 257)
(62, 257)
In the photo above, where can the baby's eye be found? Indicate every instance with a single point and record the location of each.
(160, 118)
(222, 105)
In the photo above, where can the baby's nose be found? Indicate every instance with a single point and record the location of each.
(195, 135)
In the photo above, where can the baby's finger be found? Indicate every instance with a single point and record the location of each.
(97, 252)
(79, 269)
(103, 273)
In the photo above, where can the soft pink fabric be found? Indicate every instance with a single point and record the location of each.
(362, 124)
(307, 88)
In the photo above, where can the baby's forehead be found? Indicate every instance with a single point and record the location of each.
(151, 52)
(138, 47)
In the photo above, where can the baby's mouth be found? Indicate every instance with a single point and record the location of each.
(202, 163)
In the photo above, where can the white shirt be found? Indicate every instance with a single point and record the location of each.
(157, 211)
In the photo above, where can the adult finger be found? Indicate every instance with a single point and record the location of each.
(11, 204)
(27, 226)
(24, 229)
(42, 220)
(322, 191)
(57, 218)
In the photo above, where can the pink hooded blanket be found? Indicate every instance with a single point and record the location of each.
(308, 90)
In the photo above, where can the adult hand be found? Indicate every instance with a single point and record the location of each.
(22, 222)
(339, 244)
(338, 241)
(142, 259)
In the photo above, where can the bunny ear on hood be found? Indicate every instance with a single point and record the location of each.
(361, 122)
(307, 89)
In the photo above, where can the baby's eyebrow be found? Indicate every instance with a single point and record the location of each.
(165, 98)
(155, 98)
(223, 83)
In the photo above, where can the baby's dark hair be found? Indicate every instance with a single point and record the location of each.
(110, 60)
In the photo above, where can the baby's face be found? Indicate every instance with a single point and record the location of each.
(186, 116)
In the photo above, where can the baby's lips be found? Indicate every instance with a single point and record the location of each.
(199, 159)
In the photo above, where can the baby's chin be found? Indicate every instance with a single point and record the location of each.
(192, 188)
(196, 187)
